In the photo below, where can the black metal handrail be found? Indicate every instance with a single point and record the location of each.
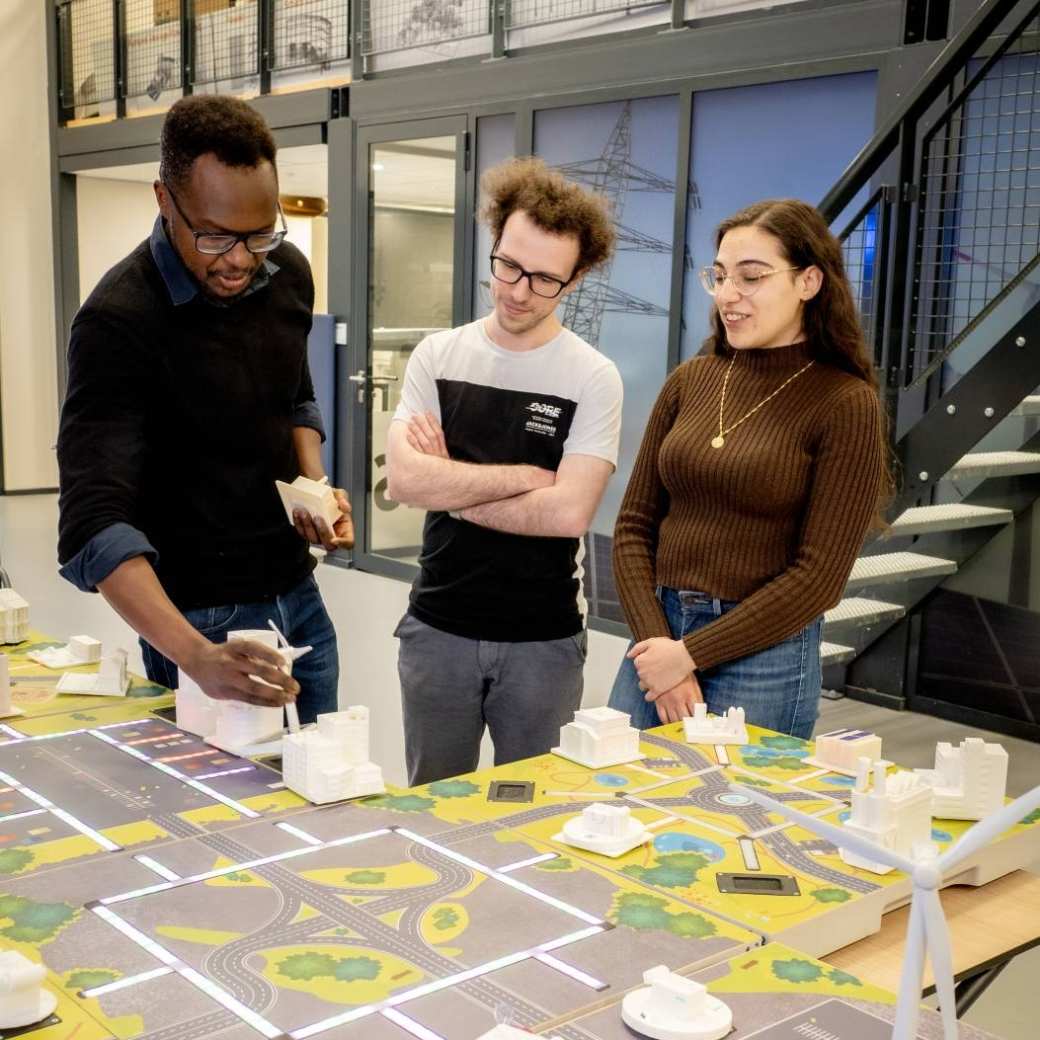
(938, 77)
(947, 231)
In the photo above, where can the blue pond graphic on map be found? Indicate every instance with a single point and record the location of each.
(611, 779)
(675, 841)
(840, 781)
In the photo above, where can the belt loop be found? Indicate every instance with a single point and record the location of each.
(716, 605)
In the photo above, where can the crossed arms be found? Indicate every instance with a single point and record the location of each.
(518, 499)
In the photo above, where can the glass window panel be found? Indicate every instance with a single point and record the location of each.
(774, 140)
(628, 151)
(496, 140)
(411, 264)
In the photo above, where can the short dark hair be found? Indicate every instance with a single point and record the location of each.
(229, 128)
(554, 203)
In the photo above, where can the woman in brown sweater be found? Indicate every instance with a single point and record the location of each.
(761, 467)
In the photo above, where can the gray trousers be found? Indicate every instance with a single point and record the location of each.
(452, 687)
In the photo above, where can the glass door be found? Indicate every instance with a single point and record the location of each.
(411, 233)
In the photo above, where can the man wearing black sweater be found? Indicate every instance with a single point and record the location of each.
(189, 394)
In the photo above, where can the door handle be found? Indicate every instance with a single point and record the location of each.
(362, 379)
(361, 376)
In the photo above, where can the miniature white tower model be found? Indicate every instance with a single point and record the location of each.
(969, 781)
(23, 1000)
(110, 680)
(312, 496)
(14, 617)
(610, 830)
(79, 650)
(196, 710)
(896, 814)
(724, 729)
(330, 762)
(599, 737)
(242, 727)
(7, 708)
(671, 1007)
(841, 749)
(248, 729)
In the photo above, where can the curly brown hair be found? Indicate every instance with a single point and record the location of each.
(830, 320)
(201, 123)
(555, 204)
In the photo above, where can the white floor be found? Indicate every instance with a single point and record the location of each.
(365, 609)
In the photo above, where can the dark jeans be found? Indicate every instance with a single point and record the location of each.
(452, 687)
(301, 617)
(778, 688)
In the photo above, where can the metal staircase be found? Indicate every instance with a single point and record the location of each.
(943, 246)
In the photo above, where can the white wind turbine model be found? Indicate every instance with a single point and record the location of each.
(926, 933)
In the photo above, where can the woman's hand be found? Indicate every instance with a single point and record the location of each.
(661, 664)
(677, 703)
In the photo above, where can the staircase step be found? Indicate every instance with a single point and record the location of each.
(856, 610)
(899, 566)
(980, 464)
(1029, 406)
(835, 653)
(955, 517)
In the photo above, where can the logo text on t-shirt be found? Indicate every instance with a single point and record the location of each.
(542, 416)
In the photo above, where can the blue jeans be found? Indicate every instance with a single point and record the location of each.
(300, 615)
(779, 687)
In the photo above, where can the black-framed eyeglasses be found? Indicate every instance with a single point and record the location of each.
(544, 285)
(213, 244)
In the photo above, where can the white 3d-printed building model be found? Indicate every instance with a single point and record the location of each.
(14, 617)
(243, 729)
(7, 708)
(610, 830)
(599, 737)
(196, 710)
(329, 762)
(671, 1007)
(79, 650)
(896, 814)
(723, 729)
(23, 1000)
(841, 749)
(968, 781)
(110, 680)
(312, 496)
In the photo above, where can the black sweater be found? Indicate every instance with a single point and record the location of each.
(177, 421)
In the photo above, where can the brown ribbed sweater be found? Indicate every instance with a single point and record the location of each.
(774, 518)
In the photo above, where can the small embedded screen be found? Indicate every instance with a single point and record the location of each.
(750, 883)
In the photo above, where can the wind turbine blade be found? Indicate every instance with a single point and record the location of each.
(908, 1005)
(277, 631)
(989, 829)
(938, 941)
(838, 835)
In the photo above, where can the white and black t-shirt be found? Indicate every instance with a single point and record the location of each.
(508, 407)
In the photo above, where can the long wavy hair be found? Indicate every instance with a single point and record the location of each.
(830, 320)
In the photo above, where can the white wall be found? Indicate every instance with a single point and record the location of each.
(28, 364)
(112, 218)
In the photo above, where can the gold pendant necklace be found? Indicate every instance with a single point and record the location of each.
(720, 440)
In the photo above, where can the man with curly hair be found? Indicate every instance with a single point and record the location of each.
(188, 395)
(507, 433)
